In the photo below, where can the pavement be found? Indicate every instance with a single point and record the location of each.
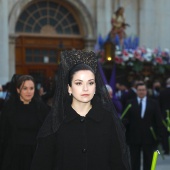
(162, 164)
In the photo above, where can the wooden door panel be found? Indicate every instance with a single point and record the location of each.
(31, 66)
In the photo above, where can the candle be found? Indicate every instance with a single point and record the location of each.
(154, 160)
(155, 138)
(125, 111)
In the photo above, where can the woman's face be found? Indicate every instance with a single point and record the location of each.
(26, 91)
(83, 86)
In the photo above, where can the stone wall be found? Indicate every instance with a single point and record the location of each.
(149, 19)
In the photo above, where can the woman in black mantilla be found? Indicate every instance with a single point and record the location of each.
(82, 131)
(20, 121)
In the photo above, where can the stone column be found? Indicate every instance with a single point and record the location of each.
(11, 56)
(104, 13)
(4, 57)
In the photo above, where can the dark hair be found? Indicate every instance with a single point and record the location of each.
(140, 84)
(118, 10)
(24, 78)
(78, 67)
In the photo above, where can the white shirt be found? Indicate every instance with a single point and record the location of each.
(143, 105)
(2, 95)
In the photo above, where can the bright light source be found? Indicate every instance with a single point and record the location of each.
(109, 58)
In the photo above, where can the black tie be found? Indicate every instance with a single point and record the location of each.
(140, 107)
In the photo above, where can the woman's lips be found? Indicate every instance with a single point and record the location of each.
(85, 95)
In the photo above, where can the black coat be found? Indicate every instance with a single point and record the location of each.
(19, 126)
(164, 99)
(81, 143)
(138, 129)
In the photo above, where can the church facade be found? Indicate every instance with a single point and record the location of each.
(34, 32)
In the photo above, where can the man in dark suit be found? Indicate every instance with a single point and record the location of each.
(164, 99)
(143, 114)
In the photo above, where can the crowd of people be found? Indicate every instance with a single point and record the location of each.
(147, 116)
(78, 123)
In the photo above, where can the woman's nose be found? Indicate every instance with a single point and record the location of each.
(29, 91)
(85, 87)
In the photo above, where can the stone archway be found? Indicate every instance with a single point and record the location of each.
(83, 13)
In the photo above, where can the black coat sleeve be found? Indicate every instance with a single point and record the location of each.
(45, 154)
(5, 132)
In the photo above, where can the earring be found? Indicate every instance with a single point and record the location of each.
(70, 94)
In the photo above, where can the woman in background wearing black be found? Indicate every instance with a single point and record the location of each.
(20, 121)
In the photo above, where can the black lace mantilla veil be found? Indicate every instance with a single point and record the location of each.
(61, 97)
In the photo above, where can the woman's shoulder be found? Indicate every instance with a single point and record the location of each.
(8, 105)
(107, 111)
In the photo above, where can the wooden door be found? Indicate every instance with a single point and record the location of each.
(40, 56)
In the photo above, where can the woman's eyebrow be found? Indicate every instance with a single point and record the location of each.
(82, 80)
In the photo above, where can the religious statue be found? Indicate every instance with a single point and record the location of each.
(118, 24)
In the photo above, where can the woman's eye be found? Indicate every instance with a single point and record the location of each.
(78, 83)
(91, 83)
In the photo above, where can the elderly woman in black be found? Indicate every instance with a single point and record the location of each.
(20, 121)
(82, 132)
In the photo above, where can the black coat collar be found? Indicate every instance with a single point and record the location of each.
(95, 113)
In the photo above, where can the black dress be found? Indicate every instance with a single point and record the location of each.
(19, 127)
(81, 143)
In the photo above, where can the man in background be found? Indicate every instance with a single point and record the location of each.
(143, 115)
(164, 100)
